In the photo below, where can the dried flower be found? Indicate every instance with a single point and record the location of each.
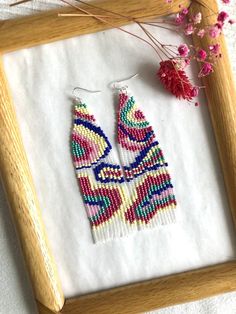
(183, 50)
(222, 16)
(219, 25)
(205, 70)
(176, 80)
(226, 1)
(195, 91)
(181, 64)
(214, 31)
(179, 19)
(187, 61)
(185, 11)
(201, 33)
(201, 54)
(189, 29)
(215, 49)
(197, 18)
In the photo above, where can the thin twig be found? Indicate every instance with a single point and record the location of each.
(160, 22)
(19, 2)
(173, 30)
(110, 24)
(170, 49)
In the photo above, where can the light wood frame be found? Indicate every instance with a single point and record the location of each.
(134, 298)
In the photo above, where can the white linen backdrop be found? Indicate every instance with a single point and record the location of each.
(41, 84)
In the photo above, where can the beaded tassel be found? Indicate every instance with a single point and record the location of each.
(100, 178)
(145, 170)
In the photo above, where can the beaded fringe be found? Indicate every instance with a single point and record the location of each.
(120, 201)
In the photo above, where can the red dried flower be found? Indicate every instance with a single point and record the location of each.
(175, 80)
(222, 16)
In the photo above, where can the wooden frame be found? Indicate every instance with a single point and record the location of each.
(134, 298)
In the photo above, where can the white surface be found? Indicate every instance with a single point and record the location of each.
(200, 237)
(45, 77)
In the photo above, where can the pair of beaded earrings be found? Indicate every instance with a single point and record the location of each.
(121, 198)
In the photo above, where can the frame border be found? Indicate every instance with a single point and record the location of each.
(18, 183)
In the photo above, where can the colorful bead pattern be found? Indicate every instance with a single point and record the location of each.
(150, 158)
(151, 188)
(105, 172)
(119, 201)
(89, 143)
(101, 202)
(99, 177)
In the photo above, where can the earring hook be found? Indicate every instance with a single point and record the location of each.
(115, 84)
(84, 89)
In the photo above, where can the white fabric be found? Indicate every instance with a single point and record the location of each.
(41, 84)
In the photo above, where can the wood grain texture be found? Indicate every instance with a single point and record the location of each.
(45, 28)
(221, 96)
(42, 309)
(48, 27)
(157, 293)
(23, 201)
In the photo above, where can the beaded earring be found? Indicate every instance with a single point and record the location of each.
(100, 178)
(152, 200)
(120, 200)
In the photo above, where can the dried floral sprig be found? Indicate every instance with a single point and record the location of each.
(163, 51)
(176, 81)
(172, 59)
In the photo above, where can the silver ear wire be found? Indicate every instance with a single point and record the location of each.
(77, 98)
(118, 84)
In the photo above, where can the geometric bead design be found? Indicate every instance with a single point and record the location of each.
(120, 200)
(105, 172)
(89, 143)
(154, 193)
(145, 168)
(102, 201)
(100, 178)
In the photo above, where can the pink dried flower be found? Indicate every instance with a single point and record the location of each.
(185, 11)
(197, 18)
(205, 70)
(214, 31)
(189, 29)
(201, 54)
(183, 50)
(175, 80)
(215, 49)
(219, 25)
(187, 61)
(179, 19)
(195, 91)
(226, 1)
(222, 16)
(201, 33)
